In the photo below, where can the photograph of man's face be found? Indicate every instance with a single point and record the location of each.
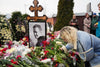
(36, 33)
(37, 30)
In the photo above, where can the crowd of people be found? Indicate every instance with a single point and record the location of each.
(91, 24)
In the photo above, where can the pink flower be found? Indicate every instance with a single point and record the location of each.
(10, 42)
(56, 33)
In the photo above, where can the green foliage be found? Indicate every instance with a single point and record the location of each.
(24, 16)
(18, 19)
(59, 55)
(64, 15)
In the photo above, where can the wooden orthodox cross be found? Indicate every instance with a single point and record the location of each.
(36, 9)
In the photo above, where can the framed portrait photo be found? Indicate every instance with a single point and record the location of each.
(37, 33)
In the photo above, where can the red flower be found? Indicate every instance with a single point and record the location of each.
(18, 57)
(8, 65)
(9, 46)
(24, 43)
(45, 52)
(56, 65)
(29, 55)
(0, 45)
(52, 48)
(76, 59)
(27, 38)
(43, 59)
(20, 38)
(12, 60)
(73, 54)
(49, 34)
(52, 59)
(15, 62)
(52, 37)
(45, 43)
(3, 50)
(48, 43)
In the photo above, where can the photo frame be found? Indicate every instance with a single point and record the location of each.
(37, 33)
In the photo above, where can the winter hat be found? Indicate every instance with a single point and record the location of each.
(94, 13)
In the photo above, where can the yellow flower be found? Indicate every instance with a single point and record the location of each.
(97, 23)
(24, 39)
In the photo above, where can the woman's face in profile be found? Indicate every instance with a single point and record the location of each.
(65, 40)
(99, 7)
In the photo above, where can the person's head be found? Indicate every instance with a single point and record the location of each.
(69, 34)
(94, 14)
(99, 6)
(87, 15)
(74, 16)
(37, 30)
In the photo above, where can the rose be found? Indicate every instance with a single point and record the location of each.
(45, 52)
(45, 43)
(18, 57)
(14, 62)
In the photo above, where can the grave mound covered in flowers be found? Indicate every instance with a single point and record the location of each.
(18, 54)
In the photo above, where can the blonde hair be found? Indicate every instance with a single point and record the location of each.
(70, 35)
(98, 4)
(74, 15)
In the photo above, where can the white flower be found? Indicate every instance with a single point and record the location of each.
(5, 46)
(55, 58)
(16, 43)
(26, 51)
(58, 42)
(10, 50)
(42, 52)
(46, 60)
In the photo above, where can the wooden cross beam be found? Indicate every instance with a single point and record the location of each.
(36, 9)
(36, 18)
